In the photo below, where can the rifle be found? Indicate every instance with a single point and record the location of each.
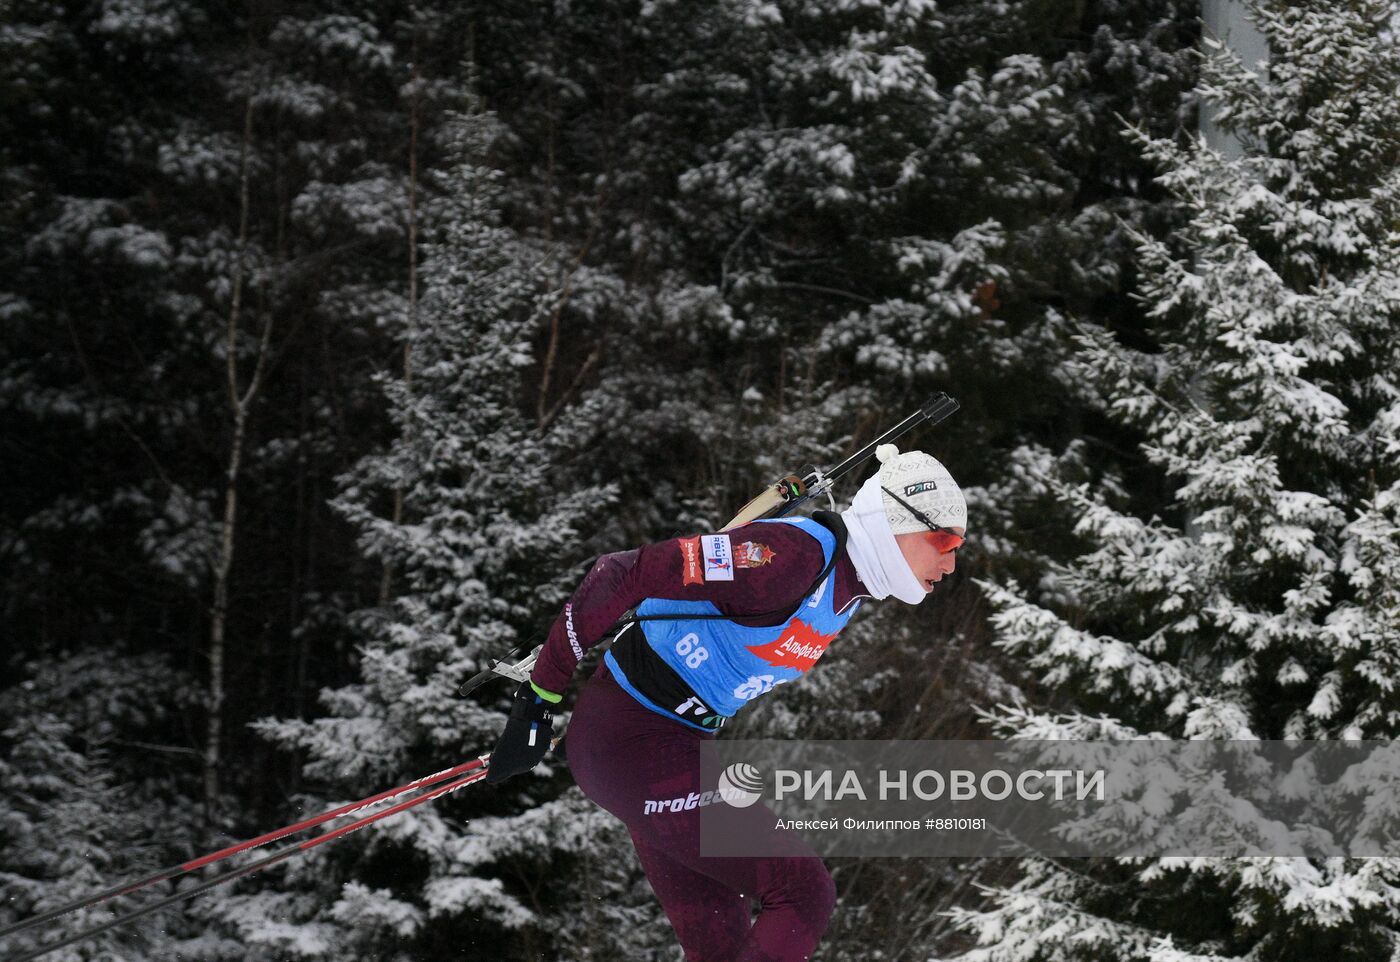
(778, 499)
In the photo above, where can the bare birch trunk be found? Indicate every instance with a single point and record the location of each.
(239, 402)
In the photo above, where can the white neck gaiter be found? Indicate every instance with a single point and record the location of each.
(873, 550)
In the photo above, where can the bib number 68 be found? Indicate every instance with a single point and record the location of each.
(690, 649)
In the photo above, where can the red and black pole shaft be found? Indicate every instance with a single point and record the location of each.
(262, 863)
(174, 871)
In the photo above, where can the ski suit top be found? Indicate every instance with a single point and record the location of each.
(754, 574)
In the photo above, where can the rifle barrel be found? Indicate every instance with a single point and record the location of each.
(936, 409)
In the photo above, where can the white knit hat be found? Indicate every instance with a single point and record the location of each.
(926, 484)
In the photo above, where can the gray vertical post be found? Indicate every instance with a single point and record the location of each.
(1228, 21)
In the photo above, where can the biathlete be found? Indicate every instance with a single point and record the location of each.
(743, 611)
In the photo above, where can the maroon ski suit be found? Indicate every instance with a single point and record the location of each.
(622, 753)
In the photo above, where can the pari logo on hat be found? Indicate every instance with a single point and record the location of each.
(926, 484)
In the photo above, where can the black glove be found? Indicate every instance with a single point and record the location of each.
(526, 737)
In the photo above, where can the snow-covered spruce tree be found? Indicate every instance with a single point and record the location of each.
(846, 180)
(201, 248)
(856, 176)
(485, 551)
(1255, 593)
(87, 796)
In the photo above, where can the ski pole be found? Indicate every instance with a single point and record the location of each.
(283, 853)
(174, 871)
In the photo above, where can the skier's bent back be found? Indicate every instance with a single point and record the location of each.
(723, 619)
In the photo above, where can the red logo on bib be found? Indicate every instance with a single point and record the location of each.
(799, 647)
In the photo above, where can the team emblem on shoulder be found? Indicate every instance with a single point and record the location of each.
(751, 555)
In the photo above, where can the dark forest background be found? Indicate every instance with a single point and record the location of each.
(339, 337)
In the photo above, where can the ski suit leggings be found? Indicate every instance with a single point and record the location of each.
(622, 754)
